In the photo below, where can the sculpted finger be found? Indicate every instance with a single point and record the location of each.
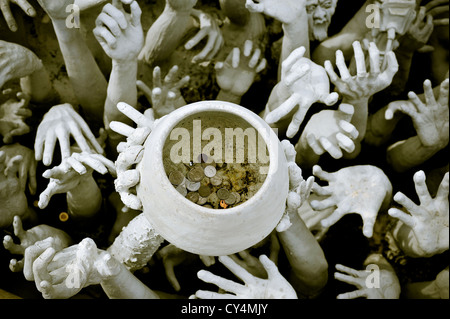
(405, 202)
(9, 18)
(342, 66)
(40, 271)
(345, 143)
(353, 295)
(422, 188)
(283, 110)
(374, 55)
(236, 269)
(314, 144)
(31, 253)
(350, 271)
(325, 176)
(49, 147)
(443, 93)
(332, 149)
(402, 216)
(443, 189)
(26, 7)
(201, 34)
(360, 59)
(220, 282)
(137, 117)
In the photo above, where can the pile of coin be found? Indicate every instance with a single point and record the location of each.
(209, 184)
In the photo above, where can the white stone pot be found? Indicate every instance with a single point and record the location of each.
(201, 230)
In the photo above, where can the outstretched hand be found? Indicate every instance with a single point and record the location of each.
(430, 119)
(62, 274)
(71, 172)
(58, 124)
(383, 284)
(120, 33)
(356, 189)
(429, 221)
(329, 131)
(29, 237)
(165, 95)
(364, 84)
(305, 83)
(275, 287)
(209, 29)
(237, 73)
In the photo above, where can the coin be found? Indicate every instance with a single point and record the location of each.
(192, 186)
(213, 199)
(210, 162)
(223, 193)
(210, 171)
(196, 174)
(204, 191)
(216, 180)
(237, 197)
(182, 190)
(207, 206)
(230, 200)
(176, 178)
(202, 200)
(193, 197)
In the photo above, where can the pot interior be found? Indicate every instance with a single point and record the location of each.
(228, 143)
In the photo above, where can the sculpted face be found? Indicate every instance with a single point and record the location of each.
(320, 13)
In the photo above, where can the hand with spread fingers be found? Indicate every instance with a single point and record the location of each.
(275, 287)
(431, 122)
(362, 189)
(303, 83)
(30, 237)
(74, 175)
(13, 114)
(364, 84)
(237, 73)
(419, 31)
(328, 131)
(378, 281)
(430, 119)
(120, 33)
(165, 95)
(59, 124)
(7, 14)
(428, 221)
(208, 28)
